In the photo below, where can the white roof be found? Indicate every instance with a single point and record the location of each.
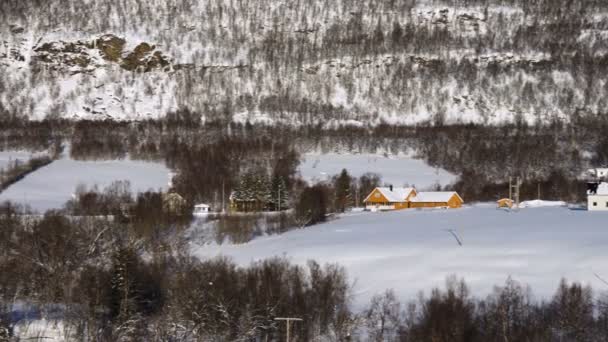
(602, 189)
(434, 196)
(202, 205)
(397, 195)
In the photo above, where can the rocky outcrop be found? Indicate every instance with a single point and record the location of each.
(60, 55)
(107, 49)
(145, 58)
(111, 47)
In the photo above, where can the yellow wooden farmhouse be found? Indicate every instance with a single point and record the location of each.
(393, 198)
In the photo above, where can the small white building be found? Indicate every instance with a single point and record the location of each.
(597, 199)
(599, 172)
(201, 210)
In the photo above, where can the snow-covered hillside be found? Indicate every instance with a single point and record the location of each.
(399, 170)
(411, 250)
(337, 62)
(50, 187)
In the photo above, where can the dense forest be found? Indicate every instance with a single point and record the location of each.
(212, 159)
(363, 62)
(132, 279)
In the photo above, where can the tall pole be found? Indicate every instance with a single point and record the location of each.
(510, 189)
(279, 191)
(223, 198)
(517, 185)
(287, 322)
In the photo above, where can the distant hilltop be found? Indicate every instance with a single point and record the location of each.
(314, 62)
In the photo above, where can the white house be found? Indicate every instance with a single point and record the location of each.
(599, 172)
(201, 210)
(597, 197)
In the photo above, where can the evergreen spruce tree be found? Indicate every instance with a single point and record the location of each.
(123, 295)
(122, 264)
(265, 191)
(342, 191)
(279, 193)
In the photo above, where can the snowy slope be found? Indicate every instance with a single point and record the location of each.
(411, 250)
(398, 170)
(8, 157)
(50, 187)
(312, 62)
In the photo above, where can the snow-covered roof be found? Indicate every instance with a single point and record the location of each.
(434, 196)
(202, 205)
(396, 195)
(602, 189)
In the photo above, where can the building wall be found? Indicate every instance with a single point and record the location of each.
(505, 203)
(379, 207)
(428, 204)
(381, 203)
(375, 206)
(454, 202)
(376, 197)
(403, 205)
(600, 201)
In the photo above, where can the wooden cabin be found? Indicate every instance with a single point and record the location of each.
(437, 199)
(504, 203)
(389, 198)
(174, 203)
(247, 205)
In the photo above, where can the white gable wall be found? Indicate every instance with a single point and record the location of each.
(597, 202)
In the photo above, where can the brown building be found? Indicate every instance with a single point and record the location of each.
(504, 203)
(389, 198)
(437, 199)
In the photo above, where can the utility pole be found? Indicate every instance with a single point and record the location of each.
(223, 198)
(538, 190)
(514, 190)
(279, 191)
(287, 322)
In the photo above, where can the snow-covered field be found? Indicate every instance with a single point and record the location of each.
(7, 157)
(398, 170)
(411, 250)
(51, 186)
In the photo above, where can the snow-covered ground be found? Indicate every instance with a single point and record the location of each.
(51, 186)
(540, 203)
(411, 250)
(7, 157)
(399, 170)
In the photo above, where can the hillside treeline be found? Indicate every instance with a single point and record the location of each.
(315, 62)
(211, 160)
(104, 280)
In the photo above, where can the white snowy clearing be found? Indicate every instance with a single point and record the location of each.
(412, 250)
(540, 203)
(6, 157)
(399, 170)
(51, 186)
